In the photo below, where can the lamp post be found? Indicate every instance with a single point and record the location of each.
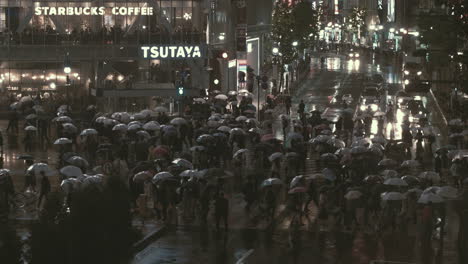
(67, 71)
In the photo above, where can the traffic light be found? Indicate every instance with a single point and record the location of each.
(264, 82)
(220, 54)
(180, 90)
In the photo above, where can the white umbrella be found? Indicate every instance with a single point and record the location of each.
(69, 127)
(146, 113)
(138, 116)
(30, 128)
(430, 197)
(110, 122)
(134, 127)
(143, 134)
(189, 173)
(37, 168)
(395, 182)
(151, 126)
(78, 161)
(161, 109)
(239, 152)
(183, 163)
(62, 141)
(410, 163)
(120, 127)
(142, 176)
(71, 171)
(221, 97)
(387, 162)
(430, 176)
(241, 118)
(89, 131)
(447, 192)
(392, 196)
(64, 119)
(162, 176)
(224, 129)
(274, 156)
(353, 195)
(199, 100)
(387, 174)
(178, 121)
(135, 122)
(25, 99)
(100, 119)
(271, 182)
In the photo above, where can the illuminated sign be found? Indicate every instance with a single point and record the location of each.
(172, 52)
(91, 11)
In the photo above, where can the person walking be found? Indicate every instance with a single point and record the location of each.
(221, 211)
(45, 189)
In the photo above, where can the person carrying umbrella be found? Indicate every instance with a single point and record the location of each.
(270, 204)
(250, 193)
(221, 211)
(29, 177)
(45, 189)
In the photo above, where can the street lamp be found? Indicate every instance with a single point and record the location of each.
(392, 30)
(52, 86)
(295, 43)
(275, 51)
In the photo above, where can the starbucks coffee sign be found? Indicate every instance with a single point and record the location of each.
(172, 52)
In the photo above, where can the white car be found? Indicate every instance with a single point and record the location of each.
(353, 55)
(348, 98)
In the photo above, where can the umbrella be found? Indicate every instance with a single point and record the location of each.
(183, 163)
(69, 127)
(151, 126)
(197, 148)
(143, 134)
(329, 174)
(37, 168)
(447, 192)
(362, 142)
(178, 121)
(146, 113)
(379, 139)
(456, 122)
(417, 191)
(410, 163)
(318, 176)
(430, 176)
(89, 131)
(221, 97)
(134, 127)
(224, 129)
(65, 119)
(353, 195)
(387, 174)
(212, 123)
(387, 163)
(336, 143)
(205, 139)
(376, 151)
(379, 113)
(15, 105)
(25, 99)
(71, 171)
(31, 116)
(373, 179)
(328, 157)
(297, 181)
(142, 176)
(160, 151)
(274, 156)
(199, 100)
(100, 119)
(430, 197)
(78, 161)
(271, 182)
(168, 129)
(161, 109)
(392, 196)
(291, 155)
(163, 176)
(241, 118)
(395, 182)
(189, 173)
(239, 152)
(298, 189)
(358, 150)
(30, 128)
(25, 157)
(320, 139)
(62, 141)
(411, 180)
(237, 131)
(232, 92)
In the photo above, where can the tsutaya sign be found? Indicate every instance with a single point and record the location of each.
(172, 52)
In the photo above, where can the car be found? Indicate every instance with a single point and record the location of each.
(412, 73)
(348, 98)
(353, 55)
(372, 103)
(370, 93)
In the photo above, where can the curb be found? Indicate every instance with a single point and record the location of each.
(148, 239)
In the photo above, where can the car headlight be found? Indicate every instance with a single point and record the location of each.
(357, 55)
(410, 119)
(406, 72)
(419, 73)
(400, 100)
(406, 82)
(374, 107)
(363, 108)
(351, 55)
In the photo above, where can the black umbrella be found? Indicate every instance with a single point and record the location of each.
(25, 157)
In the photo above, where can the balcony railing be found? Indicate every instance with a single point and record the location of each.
(138, 38)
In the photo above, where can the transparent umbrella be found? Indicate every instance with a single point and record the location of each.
(89, 131)
(183, 163)
(151, 126)
(62, 141)
(37, 168)
(71, 171)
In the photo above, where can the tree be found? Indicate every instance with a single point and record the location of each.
(283, 31)
(306, 24)
(357, 19)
